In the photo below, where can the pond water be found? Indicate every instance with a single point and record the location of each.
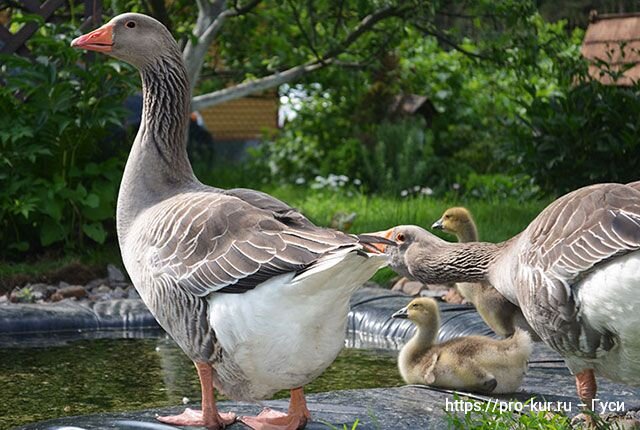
(103, 375)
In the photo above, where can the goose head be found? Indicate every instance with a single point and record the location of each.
(131, 37)
(458, 221)
(422, 311)
(412, 242)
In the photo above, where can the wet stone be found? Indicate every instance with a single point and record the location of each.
(96, 283)
(132, 293)
(102, 289)
(118, 293)
(114, 275)
(74, 291)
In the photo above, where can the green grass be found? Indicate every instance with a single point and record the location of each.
(497, 221)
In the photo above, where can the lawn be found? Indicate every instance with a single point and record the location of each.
(497, 221)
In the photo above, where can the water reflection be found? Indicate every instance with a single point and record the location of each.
(56, 376)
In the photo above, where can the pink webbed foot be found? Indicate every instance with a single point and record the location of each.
(191, 417)
(269, 419)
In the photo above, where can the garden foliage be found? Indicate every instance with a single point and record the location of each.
(62, 146)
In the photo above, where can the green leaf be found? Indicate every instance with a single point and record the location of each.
(95, 231)
(51, 232)
(92, 201)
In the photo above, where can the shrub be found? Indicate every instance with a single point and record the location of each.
(588, 136)
(59, 170)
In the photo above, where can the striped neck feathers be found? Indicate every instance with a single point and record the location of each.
(165, 113)
(455, 262)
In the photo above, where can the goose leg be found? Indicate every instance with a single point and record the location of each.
(586, 387)
(209, 416)
(296, 418)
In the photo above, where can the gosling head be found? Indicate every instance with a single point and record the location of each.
(454, 220)
(422, 311)
(411, 242)
(131, 37)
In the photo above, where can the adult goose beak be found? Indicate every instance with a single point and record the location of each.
(437, 225)
(402, 313)
(100, 39)
(378, 241)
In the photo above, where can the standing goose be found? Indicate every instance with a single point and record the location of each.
(254, 293)
(574, 272)
(499, 313)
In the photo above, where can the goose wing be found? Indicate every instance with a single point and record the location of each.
(566, 242)
(208, 242)
(635, 185)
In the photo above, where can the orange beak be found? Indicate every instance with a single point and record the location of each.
(382, 247)
(100, 39)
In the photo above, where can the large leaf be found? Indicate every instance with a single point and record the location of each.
(95, 231)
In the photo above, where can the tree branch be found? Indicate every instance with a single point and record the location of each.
(300, 25)
(237, 11)
(279, 78)
(444, 39)
(246, 88)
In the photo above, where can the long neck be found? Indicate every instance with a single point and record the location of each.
(425, 337)
(469, 233)
(456, 262)
(165, 115)
(158, 166)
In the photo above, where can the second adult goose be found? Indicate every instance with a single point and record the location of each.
(574, 272)
(499, 313)
(254, 293)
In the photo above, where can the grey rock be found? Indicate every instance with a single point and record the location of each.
(132, 293)
(63, 284)
(102, 289)
(4, 299)
(42, 291)
(115, 275)
(96, 283)
(118, 293)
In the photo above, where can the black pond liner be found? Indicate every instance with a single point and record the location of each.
(369, 326)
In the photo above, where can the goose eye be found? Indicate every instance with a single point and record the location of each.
(130, 24)
(400, 237)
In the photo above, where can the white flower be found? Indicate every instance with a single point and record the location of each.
(456, 186)
(343, 178)
(185, 400)
(416, 188)
(357, 182)
(426, 191)
(404, 193)
(300, 180)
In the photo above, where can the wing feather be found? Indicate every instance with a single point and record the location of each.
(566, 242)
(217, 241)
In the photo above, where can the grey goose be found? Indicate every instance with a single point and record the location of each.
(470, 363)
(502, 316)
(574, 272)
(254, 293)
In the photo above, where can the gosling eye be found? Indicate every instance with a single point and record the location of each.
(131, 24)
(447, 216)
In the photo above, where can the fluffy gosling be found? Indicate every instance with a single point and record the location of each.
(470, 363)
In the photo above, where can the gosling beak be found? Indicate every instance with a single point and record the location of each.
(402, 313)
(100, 39)
(437, 225)
(377, 242)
